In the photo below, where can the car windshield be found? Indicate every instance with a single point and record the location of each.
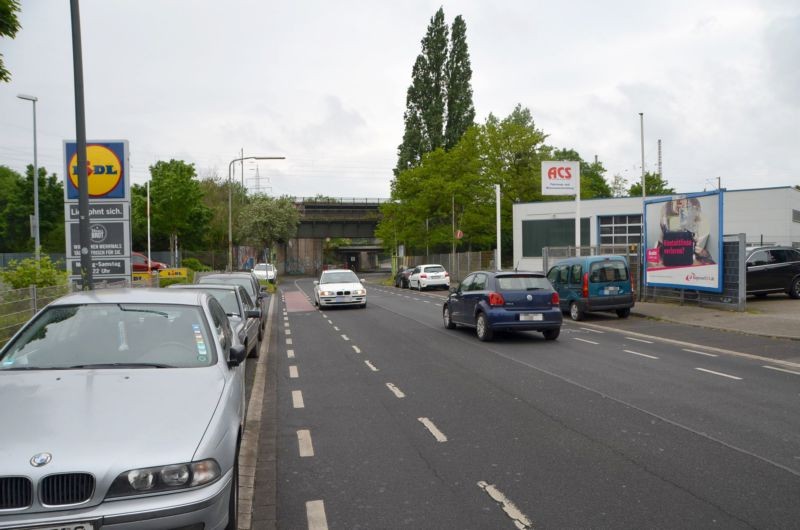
(226, 298)
(339, 277)
(232, 280)
(522, 283)
(112, 336)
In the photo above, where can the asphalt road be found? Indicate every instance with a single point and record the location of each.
(387, 420)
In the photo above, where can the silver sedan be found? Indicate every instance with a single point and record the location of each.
(122, 409)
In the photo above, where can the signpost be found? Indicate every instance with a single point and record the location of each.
(564, 178)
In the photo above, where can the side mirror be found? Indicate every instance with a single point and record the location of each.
(253, 313)
(316, 282)
(361, 280)
(236, 355)
(453, 289)
(263, 289)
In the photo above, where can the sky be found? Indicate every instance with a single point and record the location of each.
(323, 84)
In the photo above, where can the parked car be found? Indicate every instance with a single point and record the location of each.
(139, 263)
(773, 269)
(593, 283)
(265, 271)
(401, 278)
(492, 301)
(430, 275)
(122, 408)
(339, 287)
(250, 283)
(244, 315)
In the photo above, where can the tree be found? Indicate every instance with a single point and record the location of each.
(460, 109)
(656, 185)
(593, 185)
(16, 207)
(268, 220)
(9, 25)
(619, 186)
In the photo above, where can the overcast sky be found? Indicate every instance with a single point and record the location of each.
(323, 83)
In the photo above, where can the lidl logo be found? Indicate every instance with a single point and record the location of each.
(105, 169)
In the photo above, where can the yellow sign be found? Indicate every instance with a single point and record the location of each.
(181, 272)
(104, 170)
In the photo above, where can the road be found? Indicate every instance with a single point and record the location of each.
(387, 420)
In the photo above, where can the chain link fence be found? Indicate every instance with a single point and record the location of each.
(458, 266)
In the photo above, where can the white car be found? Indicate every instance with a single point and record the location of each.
(265, 271)
(430, 275)
(339, 287)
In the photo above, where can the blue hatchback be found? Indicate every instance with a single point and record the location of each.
(504, 301)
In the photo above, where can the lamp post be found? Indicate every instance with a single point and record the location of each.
(230, 199)
(35, 223)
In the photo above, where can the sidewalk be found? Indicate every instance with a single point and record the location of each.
(774, 316)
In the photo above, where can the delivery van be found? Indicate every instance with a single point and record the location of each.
(593, 283)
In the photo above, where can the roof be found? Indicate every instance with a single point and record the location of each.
(134, 296)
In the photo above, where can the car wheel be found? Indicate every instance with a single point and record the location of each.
(624, 313)
(254, 354)
(482, 328)
(794, 290)
(575, 312)
(551, 334)
(448, 323)
(362, 306)
(233, 501)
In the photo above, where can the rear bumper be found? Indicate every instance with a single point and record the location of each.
(609, 303)
(503, 319)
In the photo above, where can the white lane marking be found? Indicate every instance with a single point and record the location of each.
(356, 349)
(593, 330)
(719, 374)
(288, 341)
(344, 337)
(640, 340)
(285, 319)
(288, 331)
(290, 354)
(286, 324)
(780, 369)
(293, 372)
(304, 443)
(439, 435)
(700, 352)
(336, 328)
(521, 521)
(641, 354)
(396, 391)
(330, 321)
(427, 301)
(585, 340)
(315, 513)
(324, 315)
(415, 298)
(297, 399)
(371, 366)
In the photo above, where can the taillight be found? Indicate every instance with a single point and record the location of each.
(585, 290)
(496, 299)
(446, 274)
(423, 275)
(554, 300)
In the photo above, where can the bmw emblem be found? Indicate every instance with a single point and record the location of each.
(529, 297)
(41, 459)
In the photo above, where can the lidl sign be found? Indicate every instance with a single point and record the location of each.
(106, 169)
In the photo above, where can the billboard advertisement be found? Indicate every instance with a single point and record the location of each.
(560, 177)
(683, 238)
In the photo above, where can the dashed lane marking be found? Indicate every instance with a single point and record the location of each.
(315, 513)
(640, 354)
(293, 372)
(781, 369)
(297, 399)
(586, 340)
(396, 391)
(719, 374)
(520, 520)
(371, 366)
(344, 337)
(439, 435)
(304, 443)
(700, 352)
(356, 349)
(290, 354)
(640, 340)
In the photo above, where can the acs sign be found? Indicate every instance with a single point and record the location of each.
(560, 177)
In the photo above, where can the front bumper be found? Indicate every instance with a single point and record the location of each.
(205, 508)
(342, 300)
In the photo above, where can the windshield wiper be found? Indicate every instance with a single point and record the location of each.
(153, 311)
(20, 368)
(121, 365)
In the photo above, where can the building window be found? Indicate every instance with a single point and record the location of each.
(551, 233)
(620, 230)
(796, 216)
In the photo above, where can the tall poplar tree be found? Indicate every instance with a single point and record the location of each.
(460, 110)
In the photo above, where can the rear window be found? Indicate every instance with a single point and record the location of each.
(435, 268)
(522, 283)
(608, 271)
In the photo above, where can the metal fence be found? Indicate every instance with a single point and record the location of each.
(458, 266)
(17, 306)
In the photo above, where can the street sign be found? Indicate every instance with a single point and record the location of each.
(107, 239)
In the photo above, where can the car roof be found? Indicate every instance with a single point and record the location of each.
(134, 295)
(337, 270)
(211, 286)
(431, 265)
(509, 273)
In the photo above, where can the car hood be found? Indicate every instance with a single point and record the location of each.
(349, 286)
(132, 417)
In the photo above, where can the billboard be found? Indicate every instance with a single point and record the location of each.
(560, 177)
(683, 241)
(107, 170)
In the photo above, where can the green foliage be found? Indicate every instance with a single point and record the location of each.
(166, 282)
(267, 220)
(195, 264)
(9, 25)
(16, 207)
(593, 185)
(619, 186)
(26, 272)
(460, 109)
(656, 185)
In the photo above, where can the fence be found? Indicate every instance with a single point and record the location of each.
(459, 266)
(17, 306)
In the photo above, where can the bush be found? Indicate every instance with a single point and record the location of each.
(20, 274)
(166, 282)
(195, 264)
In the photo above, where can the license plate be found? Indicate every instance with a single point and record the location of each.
(67, 526)
(531, 316)
(344, 299)
(611, 290)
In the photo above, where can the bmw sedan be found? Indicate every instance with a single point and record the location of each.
(339, 287)
(504, 301)
(122, 410)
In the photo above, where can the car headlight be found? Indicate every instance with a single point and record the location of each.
(327, 293)
(165, 478)
(359, 292)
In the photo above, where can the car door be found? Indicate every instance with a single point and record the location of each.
(471, 298)
(250, 324)
(456, 300)
(758, 271)
(782, 269)
(414, 278)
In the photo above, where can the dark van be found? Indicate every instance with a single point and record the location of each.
(593, 283)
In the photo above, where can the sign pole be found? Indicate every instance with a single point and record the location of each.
(498, 260)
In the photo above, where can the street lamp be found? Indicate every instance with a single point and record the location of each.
(230, 200)
(35, 222)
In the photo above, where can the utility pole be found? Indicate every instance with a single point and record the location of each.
(641, 127)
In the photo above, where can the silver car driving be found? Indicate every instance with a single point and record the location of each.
(122, 409)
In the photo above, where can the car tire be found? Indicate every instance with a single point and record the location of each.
(256, 350)
(233, 500)
(794, 289)
(552, 333)
(575, 312)
(362, 306)
(448, 322)
(624, 313)
(482, 329)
